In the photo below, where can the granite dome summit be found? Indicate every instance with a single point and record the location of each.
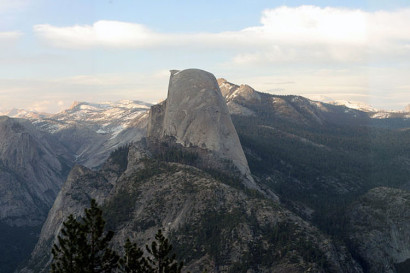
(195, 114)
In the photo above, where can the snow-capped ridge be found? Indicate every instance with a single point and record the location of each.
(94, 128)
(129, 104)
(355, 105)
(22, 113)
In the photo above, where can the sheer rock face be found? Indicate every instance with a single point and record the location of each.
(32, 170)
(82, 185)
(195, 114)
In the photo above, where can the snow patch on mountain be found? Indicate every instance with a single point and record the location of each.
(381, 115)
(93, 130)
(355, 105)
(319, 105)
(104, 118)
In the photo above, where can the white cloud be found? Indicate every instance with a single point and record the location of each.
(314, 25)
(10, 36)
(101, 33)
(308, 33)
(286, 35)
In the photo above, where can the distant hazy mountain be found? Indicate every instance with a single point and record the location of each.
(378, 229)
(91, 131)
(355, 105)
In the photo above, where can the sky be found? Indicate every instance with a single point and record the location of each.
(55, 52)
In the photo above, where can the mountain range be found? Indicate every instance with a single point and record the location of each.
(241, 181)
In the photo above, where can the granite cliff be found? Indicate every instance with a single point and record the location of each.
(195, 114)
(32, 169)
(33, 166)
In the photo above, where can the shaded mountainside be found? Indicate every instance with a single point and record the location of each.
(378, 230)
(296, 146)
(214, 222)
(33, 167)
(320, 158)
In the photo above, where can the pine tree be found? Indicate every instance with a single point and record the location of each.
(83, 246)
(98, 257)
(66, 253)
(133, 260)
(161, 260)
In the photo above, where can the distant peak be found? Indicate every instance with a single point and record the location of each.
(173, 72)
(246, 88)
(355, 105)
(231, 91)
(13, 112)
(75, 104)
(221, 81)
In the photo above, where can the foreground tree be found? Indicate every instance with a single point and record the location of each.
(134, 260)
(162, 260)
(83, 246)
(67, 251)
(98, 257)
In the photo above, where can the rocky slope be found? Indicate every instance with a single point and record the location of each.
(320, 158)
(37, 152)
(32, 169)
(91, 131)
(379, 231)
(243, 100)
(214, 220)
(213, 224)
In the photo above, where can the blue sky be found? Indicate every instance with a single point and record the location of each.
(54, 52)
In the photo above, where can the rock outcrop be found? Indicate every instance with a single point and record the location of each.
(33, 166)
(211, 224)
(195, 115)
(32, 169)
(379, 229)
